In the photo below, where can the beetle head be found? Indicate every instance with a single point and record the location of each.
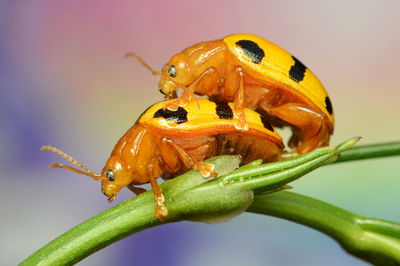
(174, 75)
(115, 175)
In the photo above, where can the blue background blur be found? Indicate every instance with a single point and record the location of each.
(64, 82)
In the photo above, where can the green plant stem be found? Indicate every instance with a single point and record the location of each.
(98, 232)
(122, 220)
(191, 197)
(373, 240)
(370, 151)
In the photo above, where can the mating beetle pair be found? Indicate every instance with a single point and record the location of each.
(239, 73)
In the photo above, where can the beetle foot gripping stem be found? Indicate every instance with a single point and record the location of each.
(206, 170)
(161, 211)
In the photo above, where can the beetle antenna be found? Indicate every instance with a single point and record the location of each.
(68, 157)
(154, 72)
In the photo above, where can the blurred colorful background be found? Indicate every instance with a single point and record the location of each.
(64, 82)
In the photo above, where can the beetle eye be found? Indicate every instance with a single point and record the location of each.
(110, 175)
(172, 71)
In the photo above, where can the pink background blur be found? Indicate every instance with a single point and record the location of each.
(64, 82)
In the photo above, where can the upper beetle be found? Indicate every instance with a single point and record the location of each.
(253, 72)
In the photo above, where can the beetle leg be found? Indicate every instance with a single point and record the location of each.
(136, 190)
(234, 84)
(188, 91)
(205, 169)
(312, 130)
(161, 211)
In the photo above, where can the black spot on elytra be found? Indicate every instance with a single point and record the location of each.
(328, 105)
(266, 124)
(178, 116)
(252, 50)
(297, 71)
(223, 110)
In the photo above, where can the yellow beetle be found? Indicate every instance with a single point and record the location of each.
(253, 72)
(164, 143)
